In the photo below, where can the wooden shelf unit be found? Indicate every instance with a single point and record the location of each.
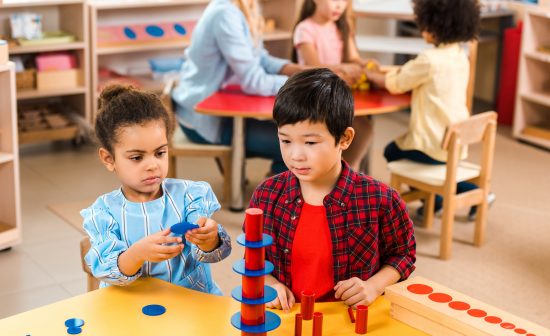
(103, 13)
(70, 16)
(532, 111)
(10, 206)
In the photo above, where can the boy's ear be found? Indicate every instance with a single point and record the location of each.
(347, 138)
(107, 159)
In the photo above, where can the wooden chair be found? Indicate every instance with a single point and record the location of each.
(426, 180)
(93, 283)
(181, 146)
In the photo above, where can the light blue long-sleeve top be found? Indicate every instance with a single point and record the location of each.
(222, 48)
(114, 224)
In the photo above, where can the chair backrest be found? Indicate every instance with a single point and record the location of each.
(478, 128)
(166, 95)
(92, 283)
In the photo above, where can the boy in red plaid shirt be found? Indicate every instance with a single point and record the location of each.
(339, 233)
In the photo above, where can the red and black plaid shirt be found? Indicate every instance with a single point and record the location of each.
(368, 222)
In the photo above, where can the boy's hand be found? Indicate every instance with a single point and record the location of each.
(157, 247)
(206, 236)
(285, 298)
(356, 292)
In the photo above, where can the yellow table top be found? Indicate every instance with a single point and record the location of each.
(117, 311)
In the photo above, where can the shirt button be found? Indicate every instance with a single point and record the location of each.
(299, 201)
(286, 251)
(342, 204)
(286, 202)
(292, 217)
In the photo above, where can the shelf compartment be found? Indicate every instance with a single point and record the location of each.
(65, 133)
(47, 47)
(538, 79)
(31, 94)
(539, 132)
(142, 47)
(5, 157)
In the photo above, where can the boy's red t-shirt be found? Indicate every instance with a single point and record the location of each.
(312, 262)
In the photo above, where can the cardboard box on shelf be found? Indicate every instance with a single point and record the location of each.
(3, 50)
(47, 80)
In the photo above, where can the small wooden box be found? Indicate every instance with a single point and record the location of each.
(26, 79)
(48, 80)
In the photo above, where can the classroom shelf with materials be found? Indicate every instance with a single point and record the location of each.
(126, 36)
(64, 94)
(10, 208)
(532, 112)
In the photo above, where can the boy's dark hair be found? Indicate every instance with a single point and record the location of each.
(122, 106)
(316, 95)
(449, 21)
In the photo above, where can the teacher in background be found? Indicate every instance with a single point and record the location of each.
(226, 48)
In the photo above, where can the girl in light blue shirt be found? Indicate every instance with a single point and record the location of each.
(129, 228)
(226, 47)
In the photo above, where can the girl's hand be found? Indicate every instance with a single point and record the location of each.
(206, 236)
(157, 247)
(349, 72)
(356, 292)
(285, 298)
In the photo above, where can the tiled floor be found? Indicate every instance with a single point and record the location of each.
(511, 271)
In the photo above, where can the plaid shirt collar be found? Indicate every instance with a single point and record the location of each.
(340, 194)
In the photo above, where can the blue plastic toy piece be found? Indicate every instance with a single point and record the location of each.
(266, 241)
(239, 268)
(182, 228)
(153, 310)
(74, 322)
(74, 330)
(272, 321)
(270, 294)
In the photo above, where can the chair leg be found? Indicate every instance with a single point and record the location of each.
(429, 204)
(395, 183)
(447, 224)
(481, 222)
(227, 182)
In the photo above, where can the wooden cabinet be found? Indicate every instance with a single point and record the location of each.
(69, 16)
(131, 58)
(532, 112)
(10, 208)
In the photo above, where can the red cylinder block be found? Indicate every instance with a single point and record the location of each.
(298, 324)
(361, 319)
(253, 287)
(252, 314)
(317, 324)
(244, 333)
(254, 258)
(307, 304)
(253, 224)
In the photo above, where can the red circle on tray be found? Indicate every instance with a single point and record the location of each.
(459, 305)
(520, 331)
(477, 313)
(507, 325)
(420, 289)
(440, 297)
(493, 319)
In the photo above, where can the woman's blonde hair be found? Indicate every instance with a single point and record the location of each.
(253, 17)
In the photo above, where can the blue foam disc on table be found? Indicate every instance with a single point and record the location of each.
(270, 294)
(74, 322)
(239, 268)
(272, 321)
(266, 241)
(74, 330)
(182, 228)
(153, 310)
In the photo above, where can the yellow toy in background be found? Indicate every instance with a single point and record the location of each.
(363, 84)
